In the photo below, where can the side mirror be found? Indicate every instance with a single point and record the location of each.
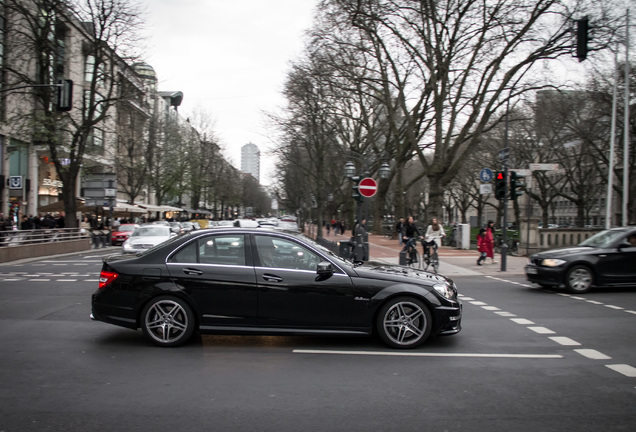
(324, 268)
(624, 245)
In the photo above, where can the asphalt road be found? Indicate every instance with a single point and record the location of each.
(527, 359)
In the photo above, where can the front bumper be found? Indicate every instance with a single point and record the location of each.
(450, 319)
(544, 275)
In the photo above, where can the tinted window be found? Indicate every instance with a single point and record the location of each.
(276, 252)
(228, 249)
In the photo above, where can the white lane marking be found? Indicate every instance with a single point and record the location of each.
(490, 308)
(11, 280)
(478, 303)
(614, 307)
(627, 370)
(38, 280)
(595, 302)
(412, 354)
(541, 330)
(592, 354)
(521, 321)
(506, 314)
(564, 340)
(631, 312)
(66, 280)
(466, 298)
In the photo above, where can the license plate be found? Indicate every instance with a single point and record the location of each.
(531, 270)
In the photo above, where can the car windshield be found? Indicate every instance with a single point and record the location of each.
(126, 228)
(151, 231)
(603, 238)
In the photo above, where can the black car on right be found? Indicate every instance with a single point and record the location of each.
(608, 258)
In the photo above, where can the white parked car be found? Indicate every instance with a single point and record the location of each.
(147, 236)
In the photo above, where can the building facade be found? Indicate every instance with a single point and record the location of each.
(251, 160)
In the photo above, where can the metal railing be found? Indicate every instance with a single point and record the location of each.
(28, 237)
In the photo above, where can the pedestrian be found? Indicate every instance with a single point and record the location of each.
(481, 245)
(398, 229)
(490, 241)
(361, 241)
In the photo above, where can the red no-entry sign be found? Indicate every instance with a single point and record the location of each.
(367, 187)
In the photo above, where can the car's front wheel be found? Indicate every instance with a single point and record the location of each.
(404, 322)
(579, 279)
(167, 321)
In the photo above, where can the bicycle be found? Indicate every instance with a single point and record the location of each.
(413, 256)
(433, 259)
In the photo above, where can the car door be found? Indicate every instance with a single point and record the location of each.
(291, 294)
(217, 272)
(618, 265)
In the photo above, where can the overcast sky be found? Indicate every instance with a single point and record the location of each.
(229, 58)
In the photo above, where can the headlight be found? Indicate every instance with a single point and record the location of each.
(127, 245)
(552, 262)
(444, 290)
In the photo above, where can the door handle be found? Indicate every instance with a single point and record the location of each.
(191, 271)
(272, 278)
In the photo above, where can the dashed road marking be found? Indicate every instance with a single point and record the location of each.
(564, 340)
(541, 330)
(592, 354)
(627, 370)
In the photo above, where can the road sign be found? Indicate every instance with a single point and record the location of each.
(367, 187)
(485, 189)
(504, 153)
(522, 172)
(544, 167)
(15, 182)
(485, 175)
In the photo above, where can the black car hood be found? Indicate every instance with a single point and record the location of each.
(560, 253)
(377, 270)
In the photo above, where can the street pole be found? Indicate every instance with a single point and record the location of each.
(504, 246)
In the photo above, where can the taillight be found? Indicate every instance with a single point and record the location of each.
(106, 278)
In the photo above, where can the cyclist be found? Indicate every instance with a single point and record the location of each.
(434, 233)
(409, 230)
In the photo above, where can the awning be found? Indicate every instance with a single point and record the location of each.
(161, 208)
(128, 208)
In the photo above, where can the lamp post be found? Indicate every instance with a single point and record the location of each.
(363, 186)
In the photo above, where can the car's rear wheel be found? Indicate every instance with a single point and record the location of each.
(579, 279)
(167, 321)
(404, 322)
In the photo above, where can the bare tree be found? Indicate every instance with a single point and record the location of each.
(108, 29)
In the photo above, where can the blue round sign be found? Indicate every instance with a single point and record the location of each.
(485, 175)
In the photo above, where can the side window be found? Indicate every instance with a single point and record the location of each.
(275, 252)
(228, 249)
(188, 254)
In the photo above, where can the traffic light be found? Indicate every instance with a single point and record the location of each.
(356, 192)
(514, 186)
(582, 38)
(64, 95)
(500, 185)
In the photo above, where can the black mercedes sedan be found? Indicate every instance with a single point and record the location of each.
(256, 281)
(608, 258)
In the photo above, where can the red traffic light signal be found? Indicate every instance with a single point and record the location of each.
(500, 185)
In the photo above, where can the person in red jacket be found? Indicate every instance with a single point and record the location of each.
(481, 245)
(490, 241)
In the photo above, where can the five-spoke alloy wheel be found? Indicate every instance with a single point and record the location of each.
(167, 321)
(404, 322)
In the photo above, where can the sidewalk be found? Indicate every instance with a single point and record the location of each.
(453, 262)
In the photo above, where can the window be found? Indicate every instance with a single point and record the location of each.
(216, 249)
(274, 252)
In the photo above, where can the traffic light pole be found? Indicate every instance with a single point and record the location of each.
(504, 245)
